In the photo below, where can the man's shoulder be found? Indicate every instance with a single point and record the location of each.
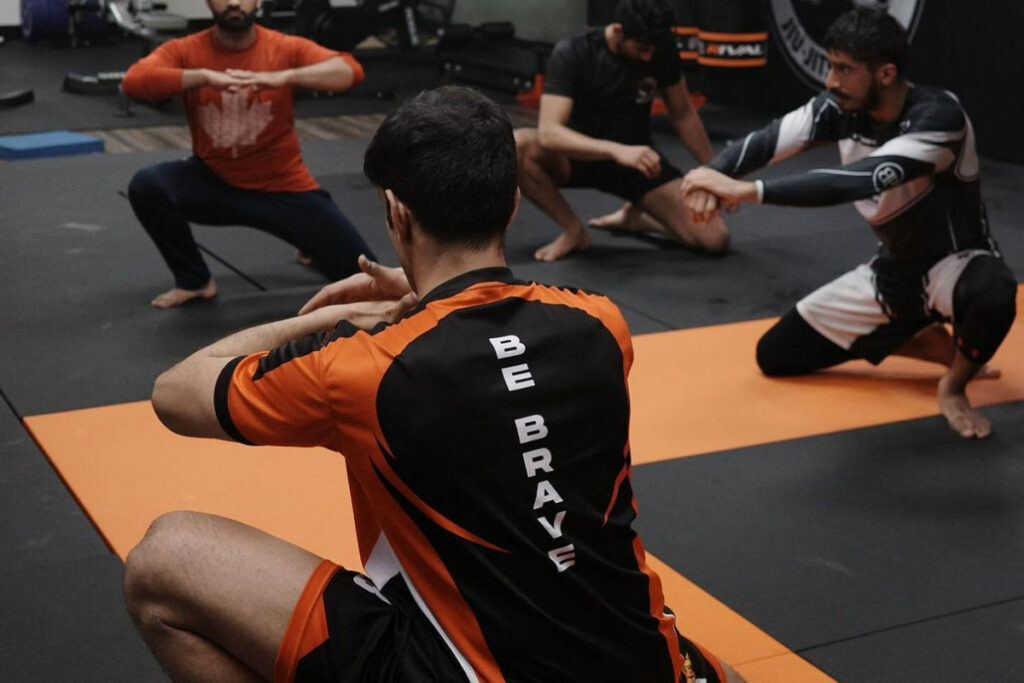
(933, 109)
(202, 37)
(580, 45)
(275, 39)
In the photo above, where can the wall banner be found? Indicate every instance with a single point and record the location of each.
(800, 27)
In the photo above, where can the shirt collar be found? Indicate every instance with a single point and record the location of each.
(467, 280)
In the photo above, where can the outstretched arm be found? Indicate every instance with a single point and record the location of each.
(819, 187)
(686, 121)
(784, 137)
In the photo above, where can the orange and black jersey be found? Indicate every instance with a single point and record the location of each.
(486, 440)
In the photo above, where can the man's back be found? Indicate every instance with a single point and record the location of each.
(487, 437)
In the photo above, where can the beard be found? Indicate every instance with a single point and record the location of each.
(234, 20)
(870, 100)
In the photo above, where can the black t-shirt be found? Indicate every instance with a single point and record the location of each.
(611, 94)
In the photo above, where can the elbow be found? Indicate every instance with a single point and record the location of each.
(348, 73)
(130, 84)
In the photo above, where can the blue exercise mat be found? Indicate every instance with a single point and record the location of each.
(54, 143)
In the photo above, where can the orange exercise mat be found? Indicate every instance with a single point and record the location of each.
(699, 391)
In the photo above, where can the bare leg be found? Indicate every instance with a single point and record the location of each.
(953, 403)
(632, 218)
(540, 173)
(212, 597)
(176, 297)
(935, 345)
(665, 205)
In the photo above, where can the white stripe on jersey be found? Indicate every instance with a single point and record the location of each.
(743, 152)
(794, 132)
(839, 171)
(891, 203)
(382, 566)
(851, 150)
(925, 146)
(967, 166)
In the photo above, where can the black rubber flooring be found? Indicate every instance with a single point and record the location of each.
(837, 543)
(892, 553)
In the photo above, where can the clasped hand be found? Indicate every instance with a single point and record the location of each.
(376, 294)
(234, 80)
(706, 191)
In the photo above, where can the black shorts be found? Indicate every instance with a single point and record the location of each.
(620, 181)
(344, 629)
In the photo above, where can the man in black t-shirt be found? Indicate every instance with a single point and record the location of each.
(594, 130)
(911, 169)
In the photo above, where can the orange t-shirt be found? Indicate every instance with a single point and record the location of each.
(247, 137)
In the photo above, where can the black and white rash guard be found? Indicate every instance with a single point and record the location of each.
(915, 179)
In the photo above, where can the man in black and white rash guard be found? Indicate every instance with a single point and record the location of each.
(910, 167)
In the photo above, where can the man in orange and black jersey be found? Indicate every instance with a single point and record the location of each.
(488, 459)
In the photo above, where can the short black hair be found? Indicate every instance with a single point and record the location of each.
(644, 20)
(871, 36)
(450, 156)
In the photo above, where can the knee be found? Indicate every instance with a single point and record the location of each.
(528, 147)
(716, 241)
(150, 562)
(769, 360)
(986, 294)
(144, 186)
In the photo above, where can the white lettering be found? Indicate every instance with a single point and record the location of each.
(508, 346)
(517, 377)
(537, 460)
(531, 428)
(546, 493)
(554, 529)
(563, 557)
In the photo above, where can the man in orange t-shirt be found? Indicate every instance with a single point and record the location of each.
(488, 459)
(236, 80)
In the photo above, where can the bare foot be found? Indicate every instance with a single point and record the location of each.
(626, 218)
(964, 420)
(302, 258)
(176, 297)
(565, 244)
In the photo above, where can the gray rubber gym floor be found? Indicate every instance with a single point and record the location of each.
(888, 553)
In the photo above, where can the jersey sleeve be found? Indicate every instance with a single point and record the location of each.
(560, 78)
(156, 76)
(928, 146)
(305, 52)
(277, 397)
(816, 121)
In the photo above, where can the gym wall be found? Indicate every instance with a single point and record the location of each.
(10, 13)
(10, 10)
(534, 19)
(971, 48)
